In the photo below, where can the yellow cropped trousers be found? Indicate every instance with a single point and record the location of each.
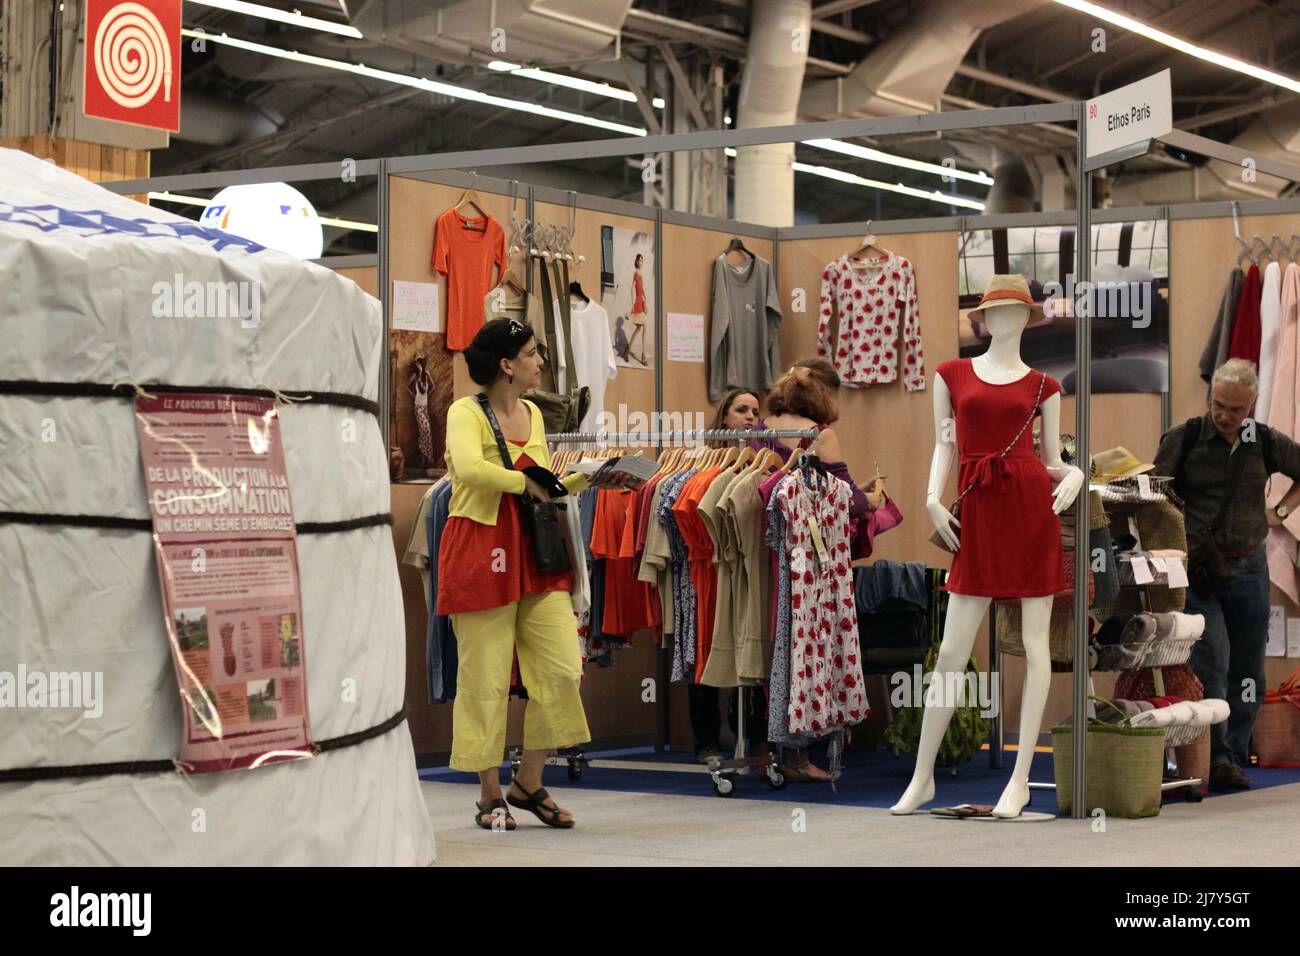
(542, 628)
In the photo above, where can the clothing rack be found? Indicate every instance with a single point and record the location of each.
(722, 771)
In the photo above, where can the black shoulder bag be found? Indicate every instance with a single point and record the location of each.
(541, 519)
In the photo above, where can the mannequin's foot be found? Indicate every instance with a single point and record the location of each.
(919, 791)
(1014, 798)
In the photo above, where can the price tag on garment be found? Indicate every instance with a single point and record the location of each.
(1276, 646)
(1144, 486)
(818, 543)
(1141, 570)
(1177, 573)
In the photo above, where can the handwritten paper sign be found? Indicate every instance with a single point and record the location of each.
(415, 306)
(685, 337)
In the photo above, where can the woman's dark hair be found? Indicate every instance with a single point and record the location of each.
(720, 414)
(498, 339)
(811, 395)
(638, 260)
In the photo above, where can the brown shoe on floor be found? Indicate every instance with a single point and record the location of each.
(1228, 776)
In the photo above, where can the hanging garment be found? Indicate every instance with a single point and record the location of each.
(1245, 323)
(417, 545)
(1010, 537)
(837, 469)
(1270, 321)
(873, 299)
(465, 250)
(593, 354)
(744, 321)
(1216, 347)
(684, 626)
(778, 693)
(826, 690)
(892, 601)
(719, 669)
(624, 595)
(440, 638)
(704, 575)
(863, 529)
(1281, 542)
(754, 571)
(648, 606)
(656, 556)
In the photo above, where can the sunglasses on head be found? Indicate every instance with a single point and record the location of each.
(516, 327)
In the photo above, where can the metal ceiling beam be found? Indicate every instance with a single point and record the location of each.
(684, 87)
(834, 7)
(1006, 82)
(668, 28)
(642, 101)
(1202, 146)
(1232, 112)
(843, 32)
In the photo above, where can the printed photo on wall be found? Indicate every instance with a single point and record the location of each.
(1127, 295)
(420, 386)
(627, 288)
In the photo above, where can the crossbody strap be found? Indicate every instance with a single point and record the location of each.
(496, 429)
(1042, 380)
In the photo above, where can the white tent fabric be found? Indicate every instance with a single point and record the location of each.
(80, 267)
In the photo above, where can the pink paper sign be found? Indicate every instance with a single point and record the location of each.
(226, 543)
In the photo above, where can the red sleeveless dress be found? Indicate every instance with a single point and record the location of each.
(1010, 537)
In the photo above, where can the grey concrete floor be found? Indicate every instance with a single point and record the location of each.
(1256, 828)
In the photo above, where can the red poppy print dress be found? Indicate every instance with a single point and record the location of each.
(873, 299)
(1010, 536)
(826, 691)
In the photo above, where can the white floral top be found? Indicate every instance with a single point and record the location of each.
(873, 299)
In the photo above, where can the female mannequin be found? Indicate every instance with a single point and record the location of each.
(1006, 310)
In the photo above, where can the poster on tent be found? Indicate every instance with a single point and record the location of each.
(226, 544)
(627, 291)
(1128, 296)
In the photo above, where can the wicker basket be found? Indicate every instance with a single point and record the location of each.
(1276, 735)
(1125, 768)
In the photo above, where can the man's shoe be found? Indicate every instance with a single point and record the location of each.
(1228, 776)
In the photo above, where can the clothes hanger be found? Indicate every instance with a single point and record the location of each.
(869, 241)
(746, 456)
(737, 246)
(575, 288)
(795, 454)
(1275, 241)
(470, 197)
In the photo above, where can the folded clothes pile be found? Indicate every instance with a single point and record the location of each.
(1150, 567)
(1166, 711)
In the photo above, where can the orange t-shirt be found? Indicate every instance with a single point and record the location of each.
(704, 573)
(466, 256)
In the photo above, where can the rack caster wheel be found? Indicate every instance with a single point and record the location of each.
(723, 784)
(575, 770)
(1193, 794)
(776, 779)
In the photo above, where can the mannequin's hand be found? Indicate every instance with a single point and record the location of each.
(943, 522)
(1067, 489)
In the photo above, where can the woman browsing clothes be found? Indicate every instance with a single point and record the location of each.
(803, 398)
(501, 604)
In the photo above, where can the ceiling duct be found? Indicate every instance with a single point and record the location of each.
(908, 72)
(521, 31)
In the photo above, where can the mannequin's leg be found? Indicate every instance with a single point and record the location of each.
(1035, 618)
(959, 628)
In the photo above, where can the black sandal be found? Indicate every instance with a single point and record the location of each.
(536, 805)
(490, 808)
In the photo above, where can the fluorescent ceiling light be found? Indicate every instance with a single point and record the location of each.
(876, 156)
(855, 180)
(1183, 46)
(571, 82)
(282, 16)
(827, 173)
(420, 83)
(323, 220)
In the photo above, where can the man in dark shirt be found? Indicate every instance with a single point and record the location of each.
(1229, 657)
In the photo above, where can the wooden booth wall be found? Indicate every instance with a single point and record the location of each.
(367, 277)
(1202, 253)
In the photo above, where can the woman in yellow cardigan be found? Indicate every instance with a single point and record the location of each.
(501, 604)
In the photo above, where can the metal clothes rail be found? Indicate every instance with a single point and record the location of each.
(722, 771)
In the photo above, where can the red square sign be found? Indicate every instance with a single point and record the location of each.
(133, 62)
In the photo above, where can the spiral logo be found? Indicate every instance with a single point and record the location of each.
(132, 56)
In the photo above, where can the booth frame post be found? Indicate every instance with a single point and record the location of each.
(385, 372)
(1083, 435)
(663, 716)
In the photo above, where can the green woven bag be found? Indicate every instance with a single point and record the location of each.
(1125, 767)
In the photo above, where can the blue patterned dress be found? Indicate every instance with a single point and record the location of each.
(683, 588)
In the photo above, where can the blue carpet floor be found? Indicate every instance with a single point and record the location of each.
(871, 779)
